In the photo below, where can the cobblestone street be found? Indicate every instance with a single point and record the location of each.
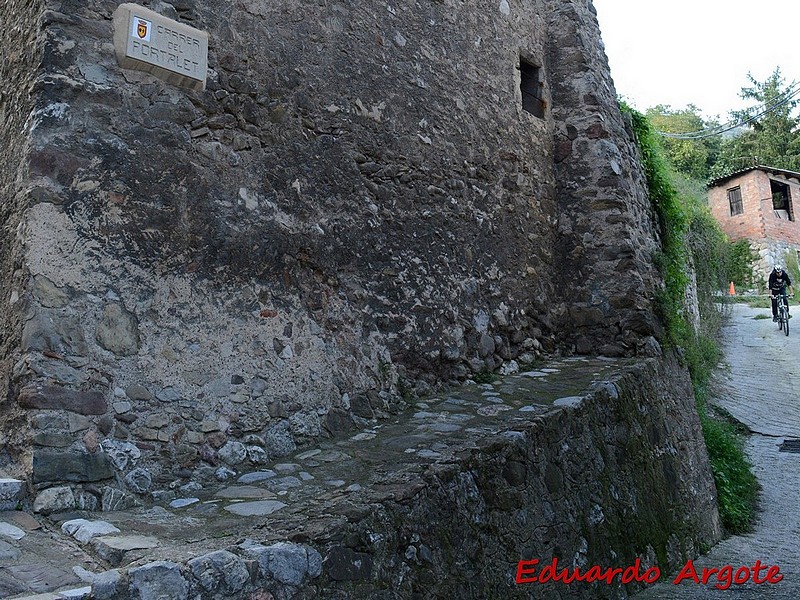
(759, 388)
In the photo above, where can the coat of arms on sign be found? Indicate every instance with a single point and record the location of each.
(142, 28)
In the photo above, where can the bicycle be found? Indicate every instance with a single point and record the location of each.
(783, 313)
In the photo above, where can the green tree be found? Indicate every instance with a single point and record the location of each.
(740, 262)
(772, 136)
(691, 157)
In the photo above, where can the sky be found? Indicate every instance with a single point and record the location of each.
(698, 52)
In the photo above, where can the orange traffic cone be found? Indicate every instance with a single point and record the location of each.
(732, 291)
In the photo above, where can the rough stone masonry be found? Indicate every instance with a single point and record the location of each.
(591, 461)
(356, 208)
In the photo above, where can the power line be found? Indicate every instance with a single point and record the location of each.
(778, 101)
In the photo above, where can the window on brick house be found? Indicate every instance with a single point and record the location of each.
(532, 88)
(781, 200)
(735, 200)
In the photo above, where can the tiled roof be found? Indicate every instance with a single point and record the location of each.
(770, 170)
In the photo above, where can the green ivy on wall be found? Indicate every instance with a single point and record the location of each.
(690, 237)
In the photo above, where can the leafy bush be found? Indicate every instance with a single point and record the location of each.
(792, 267)
(740, 265)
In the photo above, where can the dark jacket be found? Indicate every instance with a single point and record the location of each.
(776, 283)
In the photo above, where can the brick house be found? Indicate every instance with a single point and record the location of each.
(760, 204)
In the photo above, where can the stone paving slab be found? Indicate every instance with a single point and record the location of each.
(21, 519)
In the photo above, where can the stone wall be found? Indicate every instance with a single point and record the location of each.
(356, 208)
(356, 205)
(607, 232)
(20, 37)
(622, 476)
(614, 476)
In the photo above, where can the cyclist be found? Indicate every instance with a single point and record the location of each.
(778, 282)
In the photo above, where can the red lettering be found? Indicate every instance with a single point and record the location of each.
(737, 579)
(707, 573)
(687, 572)
(522, 570)
(593, 574)
(631, 573)
(757, 568)
(724, 577)
(548, 572)
(566, 577)
(652, 575)
(774, 574)
(611, 573)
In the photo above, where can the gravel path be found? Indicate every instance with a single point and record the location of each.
(761, 389)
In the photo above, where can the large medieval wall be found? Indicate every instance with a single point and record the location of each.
(19, 63)
(606, 232)
(356, 200)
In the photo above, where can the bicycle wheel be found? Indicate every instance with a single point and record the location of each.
(783, 320)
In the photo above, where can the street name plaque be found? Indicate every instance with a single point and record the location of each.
(147, 41)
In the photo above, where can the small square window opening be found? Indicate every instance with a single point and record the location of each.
(532, 88)
(781, 200)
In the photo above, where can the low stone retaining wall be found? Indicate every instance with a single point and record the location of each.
(591, 462)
